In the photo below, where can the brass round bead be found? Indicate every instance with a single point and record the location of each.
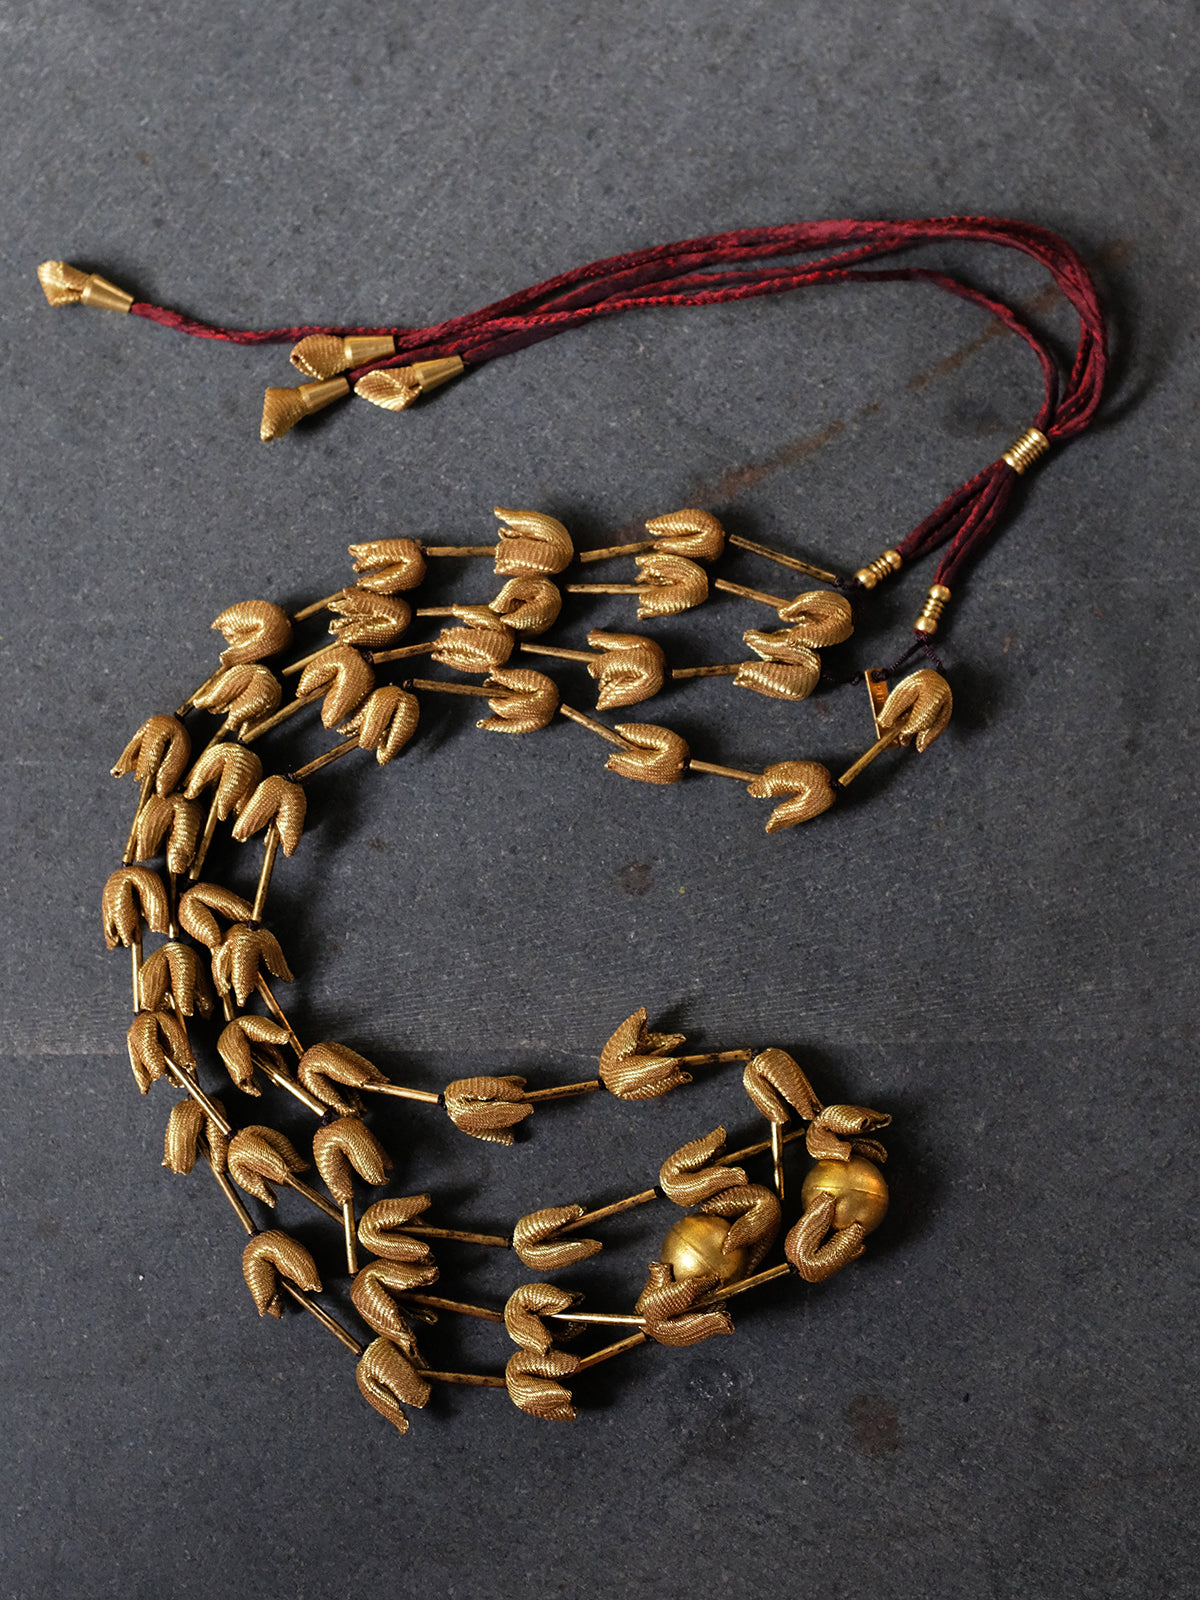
(692, 1249)
(858, 1185)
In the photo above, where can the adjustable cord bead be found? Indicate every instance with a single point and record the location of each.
(1025, 451)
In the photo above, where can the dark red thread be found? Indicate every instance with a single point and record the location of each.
(744, 264)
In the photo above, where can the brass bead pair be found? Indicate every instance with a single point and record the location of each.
(890, 561)
(693, 1245)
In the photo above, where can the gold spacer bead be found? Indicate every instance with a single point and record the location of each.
(1023, 452)
(931, 611)
(857, 1184)
(882, 567)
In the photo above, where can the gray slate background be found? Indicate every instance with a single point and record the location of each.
(992, 942)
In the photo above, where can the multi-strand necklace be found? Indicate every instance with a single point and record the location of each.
(220, 958)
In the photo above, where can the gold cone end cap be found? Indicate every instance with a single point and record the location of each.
(284, 408)
(324, 355)
(396, 388)
(65, 285)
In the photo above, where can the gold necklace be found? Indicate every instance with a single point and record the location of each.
(723, 1245)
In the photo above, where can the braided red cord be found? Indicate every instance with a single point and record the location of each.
(715, 269)
(206, 330)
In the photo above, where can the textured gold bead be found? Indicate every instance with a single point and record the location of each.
(931, 611)
(692, 1249)
(857, 1185)
(882, 566)
(1023, 452)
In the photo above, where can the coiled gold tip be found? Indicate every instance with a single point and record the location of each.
(283, 408)
(65, 285)
(931, 611)
(396, 388)
(881, 567)
(324, 355)
(1023, 452)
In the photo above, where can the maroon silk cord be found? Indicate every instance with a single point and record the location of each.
(727, 267)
